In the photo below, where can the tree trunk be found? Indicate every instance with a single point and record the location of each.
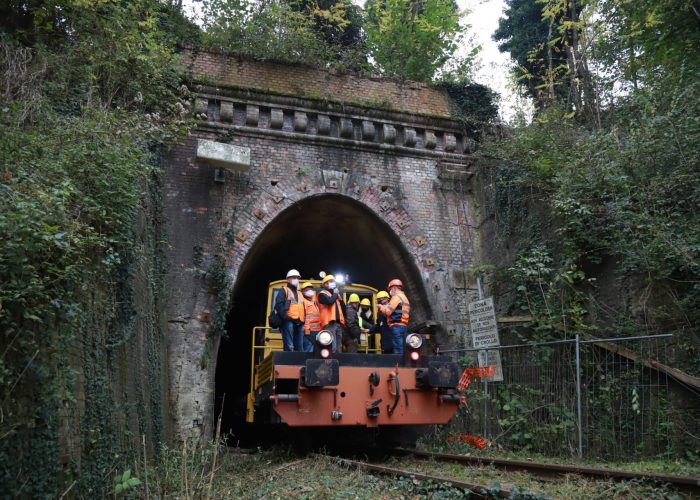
(584, 90)
(550, 65)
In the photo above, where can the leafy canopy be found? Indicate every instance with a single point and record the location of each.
(413, 39)
(327, 33)
(88, 92)
(612, 200)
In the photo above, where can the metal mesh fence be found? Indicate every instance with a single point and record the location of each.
(631, 406)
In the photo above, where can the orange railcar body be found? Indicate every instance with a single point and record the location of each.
(347, 403)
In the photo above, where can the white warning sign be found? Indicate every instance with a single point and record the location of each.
(482, 321)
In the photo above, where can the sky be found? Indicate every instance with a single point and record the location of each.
(492, 66)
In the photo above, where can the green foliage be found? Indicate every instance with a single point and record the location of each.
(527, 424)
(104, 54)
(72, 194)
(125, 483)
(640, 41)
(413, 39)
(526, 35)
(428, 489)
(187, 470)
(304, 32)
(612, 198)
(551, 293)
(89, 91)
(477, 103)
(408, 39)
(620, 201)
(339, 22)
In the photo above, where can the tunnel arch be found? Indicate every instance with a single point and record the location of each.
(329, 232)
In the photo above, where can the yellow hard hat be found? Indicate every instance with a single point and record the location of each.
(365, 302)
(328, 278)
(307, 285)
(353, 298)
(383, 295)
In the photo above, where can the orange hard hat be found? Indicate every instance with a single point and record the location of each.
(394, 282)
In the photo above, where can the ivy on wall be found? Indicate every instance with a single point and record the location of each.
(81, 300)
(88, 93)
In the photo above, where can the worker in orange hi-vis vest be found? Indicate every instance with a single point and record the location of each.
(312, 316)
(331, 306)
(398, 313)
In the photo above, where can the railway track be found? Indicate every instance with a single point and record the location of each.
(549, 471)
(474, 490)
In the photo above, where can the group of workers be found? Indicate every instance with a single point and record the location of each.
(304, 313)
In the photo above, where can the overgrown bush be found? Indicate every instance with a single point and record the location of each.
(621, 199)
(89, 94)
(317, 33)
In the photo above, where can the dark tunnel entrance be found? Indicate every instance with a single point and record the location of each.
(332, 233)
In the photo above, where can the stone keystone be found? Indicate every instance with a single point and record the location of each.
(220, 155)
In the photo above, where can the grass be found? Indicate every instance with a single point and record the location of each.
(202, 471)
(673, 466)
(278, 473)
(571, 486)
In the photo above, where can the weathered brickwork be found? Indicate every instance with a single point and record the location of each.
(316, 83)
(408, 169)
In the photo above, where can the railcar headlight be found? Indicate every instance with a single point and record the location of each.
(324, 337)
(414, 341)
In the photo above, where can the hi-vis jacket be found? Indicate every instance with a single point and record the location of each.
(295, 312)
(312, 322)
(398, 310)
(329, 305)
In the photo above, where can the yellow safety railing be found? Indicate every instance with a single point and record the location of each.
(275, 345)
(272, 341)
(364, 348)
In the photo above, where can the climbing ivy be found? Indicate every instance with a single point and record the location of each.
(75, 304)
(590, 210)
(89, 92)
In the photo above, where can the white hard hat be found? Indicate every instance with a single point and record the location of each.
(293, 272)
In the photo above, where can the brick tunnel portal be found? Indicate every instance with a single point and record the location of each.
(325, 232)
(340, 173)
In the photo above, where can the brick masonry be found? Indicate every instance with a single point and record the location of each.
(316, 132)
(316, 83)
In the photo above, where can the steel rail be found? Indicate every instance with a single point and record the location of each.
(475, 490)
(686, 483)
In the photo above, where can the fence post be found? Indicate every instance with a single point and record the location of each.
(486, 408)
(480, 289)
(578, 398)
